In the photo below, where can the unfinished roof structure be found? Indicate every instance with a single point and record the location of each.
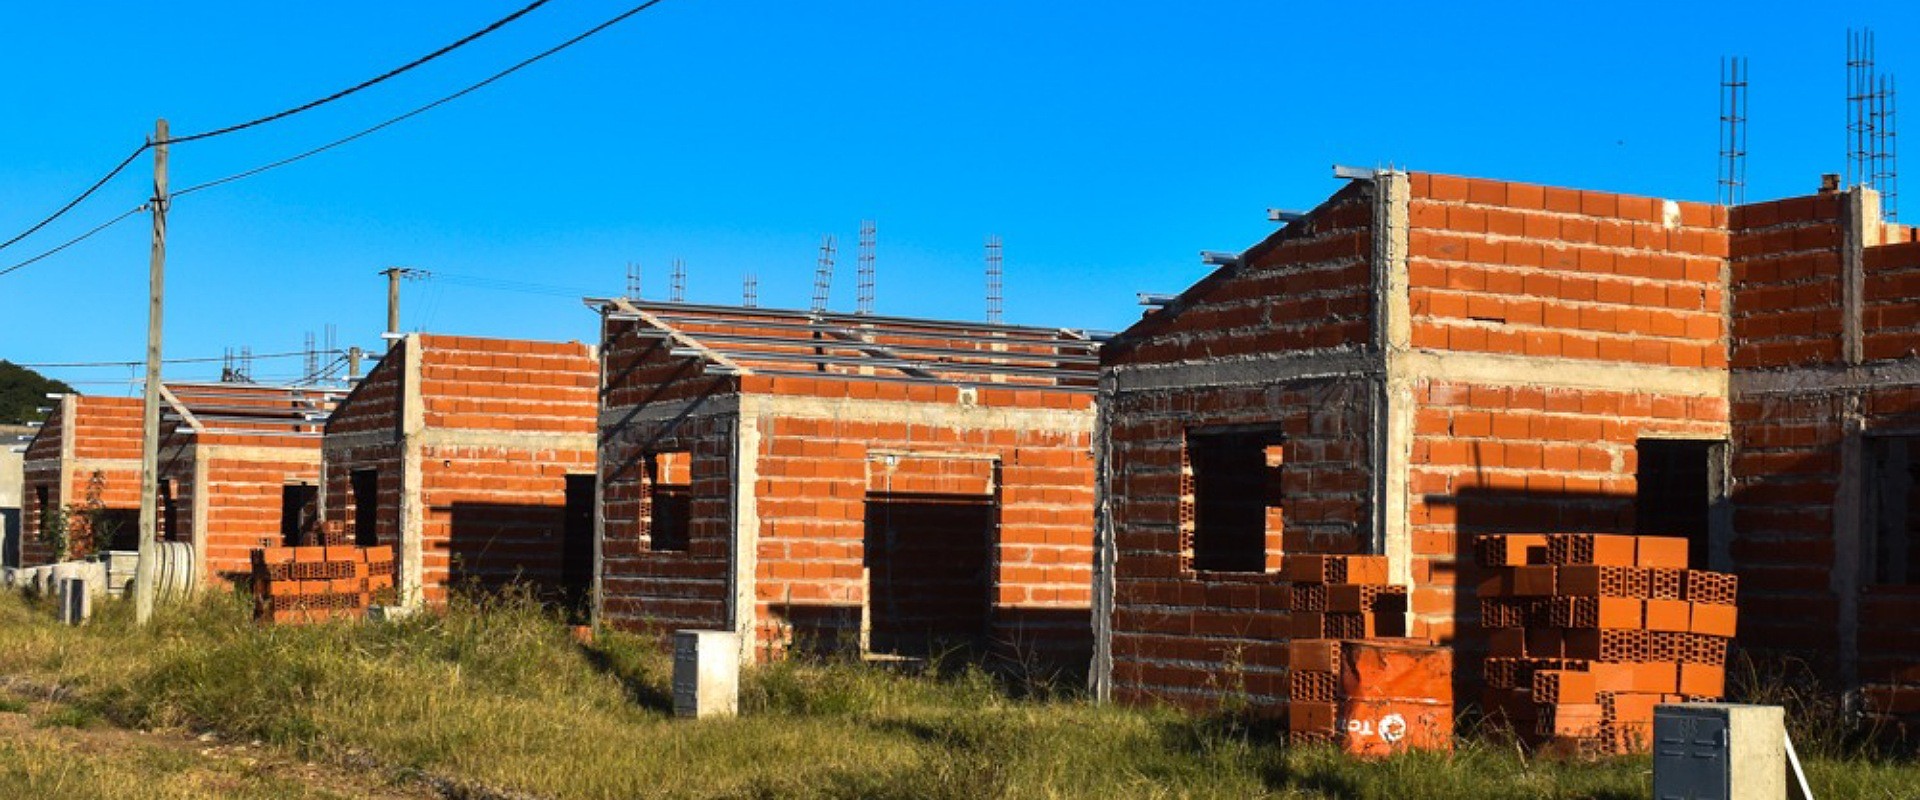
(890, 485)
(473, 459)
(1423, 359)
(239, 469)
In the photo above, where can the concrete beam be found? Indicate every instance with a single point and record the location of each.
(1567, 373)
(1249, 371)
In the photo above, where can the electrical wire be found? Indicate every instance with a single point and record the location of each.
(206, 360)
(75, 201)
(469, 38)
(425, 108)
(78, 239)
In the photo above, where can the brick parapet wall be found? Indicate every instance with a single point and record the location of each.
(1518, 269)
(1305, 288)
(1787, 275)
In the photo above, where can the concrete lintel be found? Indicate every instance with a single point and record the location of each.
(518, 440)
(234, 452)
(911, 413)
(85, 465)
(668, 410)
(1827, 378)
(1567, 373)
(1250, 371)
(341, 442)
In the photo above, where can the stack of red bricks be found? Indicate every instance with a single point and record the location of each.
(316, 584)
(1350, 679)
(1586, 633)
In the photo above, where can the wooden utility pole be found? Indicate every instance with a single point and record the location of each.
(150, 405)
(393, 298)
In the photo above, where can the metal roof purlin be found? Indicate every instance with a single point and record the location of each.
(869, 347)
(678, 336)
(181, 409)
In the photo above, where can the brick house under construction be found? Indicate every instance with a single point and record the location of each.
(473, 459)
(255, 450)
(84, 461)
(239, 469)
(901, 486)
(1426, 358)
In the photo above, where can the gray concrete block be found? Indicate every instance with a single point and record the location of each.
(706, 674)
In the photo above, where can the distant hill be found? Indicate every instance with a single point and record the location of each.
(22, 390)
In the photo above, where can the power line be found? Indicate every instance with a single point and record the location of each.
(75, 201)
(425, 108)
(469, 38)
(269, 118)
(78, 239)
(208, 360)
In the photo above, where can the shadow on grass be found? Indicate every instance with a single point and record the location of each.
(621, 663)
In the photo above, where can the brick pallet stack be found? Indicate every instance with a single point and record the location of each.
(316, 584)
(1586, 633)
(1350, 679)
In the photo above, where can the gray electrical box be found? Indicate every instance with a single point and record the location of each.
(706, 673)
(1719, 751)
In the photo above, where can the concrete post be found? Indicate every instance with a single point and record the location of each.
(706, 674)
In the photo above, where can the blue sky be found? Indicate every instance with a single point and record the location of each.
(1106, 143)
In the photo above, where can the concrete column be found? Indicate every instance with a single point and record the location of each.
(744, 561)
(1105, 550)
(1393, 413)
(412, 515)
(1861, 228)
(202, 495)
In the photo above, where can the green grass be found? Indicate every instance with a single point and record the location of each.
(501, 697)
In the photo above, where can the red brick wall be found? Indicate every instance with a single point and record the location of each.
(1195, 638)
(1786, 274)
(1564, 276)
(812, 495)
(353, 442)
(1786, 309)
(1891, 301)
(106, 443)
(492, 502)
(1517, 269)
(1520, 459)
(811, 491)
(659, 590)
(245, 494)
(1305, 288)
(40, 469)
(494, 512)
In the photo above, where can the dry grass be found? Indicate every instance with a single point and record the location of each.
(500, 697)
